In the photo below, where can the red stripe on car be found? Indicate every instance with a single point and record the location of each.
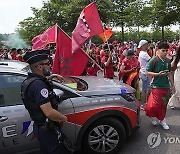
(83, 116)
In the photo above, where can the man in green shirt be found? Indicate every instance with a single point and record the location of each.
(160, 70)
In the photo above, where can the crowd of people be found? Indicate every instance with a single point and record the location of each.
(155, 65)
(13, 54)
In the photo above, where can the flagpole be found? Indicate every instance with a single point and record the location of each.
(94, 61)
(106, 41)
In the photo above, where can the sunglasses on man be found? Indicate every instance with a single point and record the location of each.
(47, 63)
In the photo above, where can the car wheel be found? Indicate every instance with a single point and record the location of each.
(104, 136)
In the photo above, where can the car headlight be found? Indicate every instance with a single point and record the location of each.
(128, 97)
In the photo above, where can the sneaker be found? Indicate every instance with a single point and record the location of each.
(164, 124)
(172, 107)
(153, 121)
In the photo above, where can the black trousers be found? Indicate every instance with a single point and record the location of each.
(48, 140)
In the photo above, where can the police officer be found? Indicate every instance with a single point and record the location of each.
(39, 100)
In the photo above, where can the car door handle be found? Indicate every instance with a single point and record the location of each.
(3, 118)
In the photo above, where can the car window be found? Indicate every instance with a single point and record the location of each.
(27, 69)
(10, 89)
(75, 83)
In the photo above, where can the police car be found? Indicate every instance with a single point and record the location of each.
(15, 64)
(101, 113)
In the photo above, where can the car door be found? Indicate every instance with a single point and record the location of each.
(16, 131)
(65, 106)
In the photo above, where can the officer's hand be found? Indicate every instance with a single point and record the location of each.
(63, 119)
(60, 78)
(57, 76)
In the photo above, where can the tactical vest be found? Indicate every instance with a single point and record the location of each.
(34, 109)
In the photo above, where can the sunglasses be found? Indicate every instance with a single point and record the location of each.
(48, 63)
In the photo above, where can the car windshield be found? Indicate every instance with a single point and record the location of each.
(75, 83)
(27, 69)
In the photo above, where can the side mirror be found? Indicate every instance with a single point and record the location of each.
(58, 92)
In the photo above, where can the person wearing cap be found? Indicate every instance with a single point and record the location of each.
(39, 99)
(143, 59)
(129, 65)
(160, 69)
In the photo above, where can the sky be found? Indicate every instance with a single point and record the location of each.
(14, 11)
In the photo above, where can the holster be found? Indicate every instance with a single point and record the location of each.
(50, 125)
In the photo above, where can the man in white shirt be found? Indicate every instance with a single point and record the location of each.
(143, 59)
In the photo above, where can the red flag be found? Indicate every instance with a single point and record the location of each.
(106, 34)
(36, 39)
(65, 62)
(49, 36)
(88, 25)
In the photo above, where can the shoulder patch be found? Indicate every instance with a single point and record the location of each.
(44, 92)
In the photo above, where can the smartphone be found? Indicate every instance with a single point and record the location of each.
(166, 71)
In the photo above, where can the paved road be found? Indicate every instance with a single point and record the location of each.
(137, 143)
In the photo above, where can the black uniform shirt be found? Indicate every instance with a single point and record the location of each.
(38, 90)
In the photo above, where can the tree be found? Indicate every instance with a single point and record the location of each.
(120, 11)
(140, 15)
(63, 12)
(43, 18)
(165, 13)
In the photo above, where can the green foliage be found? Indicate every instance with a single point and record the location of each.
(1, 44)
(140, 14)
(155, 35)
(170, 35)
(165, 13)
(64, 13)
(123, 13)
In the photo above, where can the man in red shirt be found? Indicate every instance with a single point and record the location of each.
(92, 68)
(107, 61)
(13, 53)
(129, 64)
(19, 55)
